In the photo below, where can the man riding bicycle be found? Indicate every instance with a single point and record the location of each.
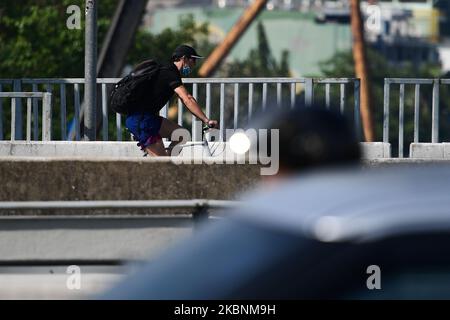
(146, 125)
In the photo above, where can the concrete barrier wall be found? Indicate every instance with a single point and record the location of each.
(430, 150)
(100, 171)
(61, 170)
(371, 150)
(375, 150)
(27, 179)
(69, 149)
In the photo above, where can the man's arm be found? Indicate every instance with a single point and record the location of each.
(191, 103)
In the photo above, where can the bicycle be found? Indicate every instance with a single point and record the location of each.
(198, 148)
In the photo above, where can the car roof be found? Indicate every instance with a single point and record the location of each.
(357, 204)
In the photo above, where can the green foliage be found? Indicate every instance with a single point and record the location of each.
(260, 61)
(36, 41)
(161, 46)
(342, 64)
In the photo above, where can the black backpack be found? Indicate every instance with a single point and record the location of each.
(128, 95)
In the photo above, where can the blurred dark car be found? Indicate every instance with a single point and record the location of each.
(320, 235)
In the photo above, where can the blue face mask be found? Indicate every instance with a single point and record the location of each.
(186, 70)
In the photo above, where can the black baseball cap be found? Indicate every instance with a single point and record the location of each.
(185, 50)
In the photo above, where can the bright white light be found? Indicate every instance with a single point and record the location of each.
(239, 143)
(328, 229)
(222, 3)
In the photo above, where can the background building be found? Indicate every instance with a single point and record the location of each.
(406, 31)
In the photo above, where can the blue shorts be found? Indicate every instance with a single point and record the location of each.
(145, 128)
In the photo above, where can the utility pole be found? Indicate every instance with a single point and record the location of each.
(90, 71)
(221, 51)
(362, 69)
(112, 55)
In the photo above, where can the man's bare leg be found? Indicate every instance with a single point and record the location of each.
(167, 127)
(156, 149)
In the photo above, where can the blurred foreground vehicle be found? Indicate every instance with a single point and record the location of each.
(349, 233)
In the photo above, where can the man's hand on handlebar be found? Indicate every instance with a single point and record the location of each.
(212, 123)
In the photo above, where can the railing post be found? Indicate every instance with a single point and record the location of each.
(208, 100)
(264, 96)
(104, 113)
(180, 112)
(118, 127)
(76, 92)
(13, 118)
(250, 101)
(416, 112)
(164, 111)
(17, 87)
(222, 112)
(342, 98)
(236, 105)
(29, 101)
(357, 109)
(90, 73)
(292, 95)
(46, 117)
(309, 92)
(35, 115)
(279, 93)
(63, 111)
(327, 95)
(401, 120)
(196, 124)
(435, 112)
(386, 111)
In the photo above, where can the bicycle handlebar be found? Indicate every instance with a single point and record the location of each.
(206, 127)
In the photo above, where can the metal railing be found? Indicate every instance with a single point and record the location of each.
(253, 87)
(200, 207)
(46, 114)
(242, 96)
(417, 83)
(119, 204)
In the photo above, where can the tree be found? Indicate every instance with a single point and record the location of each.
(160, 46)
(260, 61)
(36, 41)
